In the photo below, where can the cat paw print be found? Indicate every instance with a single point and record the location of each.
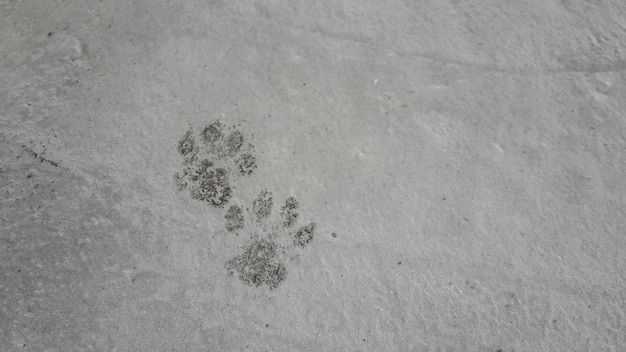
(212, 157)
(272, 241)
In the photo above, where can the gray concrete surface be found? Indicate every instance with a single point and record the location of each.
(457, 169)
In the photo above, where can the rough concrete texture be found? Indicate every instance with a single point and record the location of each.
(463, 164)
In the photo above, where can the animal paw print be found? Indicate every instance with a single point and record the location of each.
(264, 259)
(212, 157)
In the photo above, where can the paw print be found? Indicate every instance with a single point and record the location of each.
(264, 259)
(212, 157)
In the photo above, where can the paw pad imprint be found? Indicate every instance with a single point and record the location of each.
(265, 257)
(212, 158)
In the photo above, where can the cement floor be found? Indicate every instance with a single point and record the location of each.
(312, 176)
